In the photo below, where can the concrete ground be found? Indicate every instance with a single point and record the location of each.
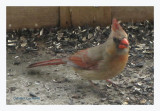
(61, 85)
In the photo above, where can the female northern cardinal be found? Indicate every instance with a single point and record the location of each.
(100, 62)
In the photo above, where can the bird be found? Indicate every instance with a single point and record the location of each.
(101, 62)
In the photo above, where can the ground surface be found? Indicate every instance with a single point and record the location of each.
(61, 85)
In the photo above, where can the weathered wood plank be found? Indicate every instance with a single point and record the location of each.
(133, 14)
(34, 17)
(65, 17)
(19, 17)
(91, 16)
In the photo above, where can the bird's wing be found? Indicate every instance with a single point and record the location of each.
(82, 60)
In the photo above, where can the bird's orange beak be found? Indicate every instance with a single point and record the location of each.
(124, 43)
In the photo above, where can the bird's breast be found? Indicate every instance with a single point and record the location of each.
(116, 65)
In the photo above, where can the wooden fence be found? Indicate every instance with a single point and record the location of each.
(34, 17)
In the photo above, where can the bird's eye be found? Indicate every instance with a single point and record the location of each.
(116, 40)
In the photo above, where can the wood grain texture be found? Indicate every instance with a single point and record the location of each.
(65, 17)
(133, 14)
(32, 17)
(91, 16)
(35, 17)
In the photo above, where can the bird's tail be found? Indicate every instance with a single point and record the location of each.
(46, 63)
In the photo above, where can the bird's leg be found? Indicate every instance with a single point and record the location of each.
(113, 84)
(92, 84)
(96, 89)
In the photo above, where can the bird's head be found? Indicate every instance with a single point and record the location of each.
(119, 37)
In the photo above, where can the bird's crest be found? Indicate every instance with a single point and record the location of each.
(115, 25)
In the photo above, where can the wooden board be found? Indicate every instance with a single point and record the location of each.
(34, 17)
(91, 16)
(133, 14)
(20, 17)
(65, 17)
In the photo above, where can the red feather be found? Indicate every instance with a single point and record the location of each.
(49, 62)
(82, 60)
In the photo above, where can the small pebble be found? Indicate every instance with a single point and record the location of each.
(125, 103)
(143, 101)
(127, 99)
(140, 65)
(28, 84)
(82, 102)
(90, 36)
(70, 101)
(32, 95)
(147, 79)
(103, 99)
(10, 74)
(118, 101)
(16, 62)
(76, 96)
(37, 82)
(12, 88)
(137, 91)
(84, 39)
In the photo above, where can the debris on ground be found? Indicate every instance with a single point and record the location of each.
(60, 84)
